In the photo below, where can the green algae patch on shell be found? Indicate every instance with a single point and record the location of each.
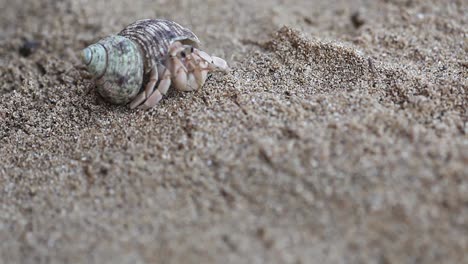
(117, 65)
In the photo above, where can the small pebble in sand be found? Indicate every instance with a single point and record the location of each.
(28, 47)
(357, 19)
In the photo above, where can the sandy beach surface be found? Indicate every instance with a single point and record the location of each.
(338, 136)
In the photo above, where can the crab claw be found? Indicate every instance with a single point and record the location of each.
(214, 62)
(220, 63)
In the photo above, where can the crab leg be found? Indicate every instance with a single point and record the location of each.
(157, 95)
(197, 72)
(140, 98)
(198, 64)
(192, 82)
(177, 67)
(215, 62)
(152, 82)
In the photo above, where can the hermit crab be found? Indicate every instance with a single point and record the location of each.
(139, 64)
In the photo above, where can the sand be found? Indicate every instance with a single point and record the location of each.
(339, 136)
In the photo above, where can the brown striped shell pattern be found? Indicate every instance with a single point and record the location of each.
(138, 65)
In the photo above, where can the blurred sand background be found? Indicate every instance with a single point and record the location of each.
(339, 136)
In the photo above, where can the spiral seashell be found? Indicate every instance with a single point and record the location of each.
(148, 54)
(116, 63)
